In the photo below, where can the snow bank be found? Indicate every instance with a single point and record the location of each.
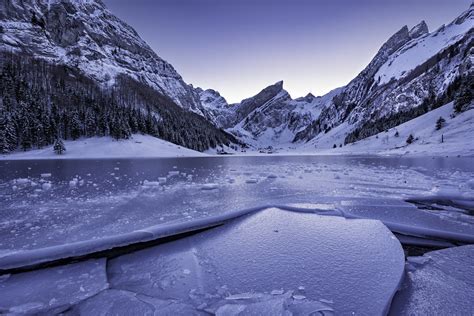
(139, 146)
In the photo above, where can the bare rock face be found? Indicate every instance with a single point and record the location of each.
(419, 30)
(84, 34)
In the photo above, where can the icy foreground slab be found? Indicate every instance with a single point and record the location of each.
(270, 262)
(51, 290)
(438, 283)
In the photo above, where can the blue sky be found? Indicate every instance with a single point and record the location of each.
(239, 47)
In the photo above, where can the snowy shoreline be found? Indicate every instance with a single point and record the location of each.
(427, 143)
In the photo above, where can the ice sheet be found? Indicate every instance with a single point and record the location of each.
(311, 256)
(51, 290)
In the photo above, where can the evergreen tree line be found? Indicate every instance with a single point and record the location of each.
(41, 102)
(460, 90)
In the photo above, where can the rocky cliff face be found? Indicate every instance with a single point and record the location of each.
(83, 34)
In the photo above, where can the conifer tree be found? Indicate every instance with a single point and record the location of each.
(440, 123)
(59, 147)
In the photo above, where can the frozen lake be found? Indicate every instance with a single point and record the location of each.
(301, 235)
(48, 203)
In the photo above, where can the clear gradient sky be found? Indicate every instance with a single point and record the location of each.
(239, 47)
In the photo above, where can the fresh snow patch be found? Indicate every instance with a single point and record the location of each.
(139, 146)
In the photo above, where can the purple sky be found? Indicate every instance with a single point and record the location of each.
(239, 47)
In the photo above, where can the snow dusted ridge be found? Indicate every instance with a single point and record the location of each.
(409, 69)
(420, 49)
(139, 146)
(85, 35)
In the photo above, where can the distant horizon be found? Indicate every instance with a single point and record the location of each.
(240, 47)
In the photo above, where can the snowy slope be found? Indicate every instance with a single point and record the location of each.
(139, 146)
(456, 133)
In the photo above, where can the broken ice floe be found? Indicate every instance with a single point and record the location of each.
(52, 290)
(438, 283)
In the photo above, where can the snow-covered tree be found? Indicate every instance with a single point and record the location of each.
(59, 147)
(440, 123)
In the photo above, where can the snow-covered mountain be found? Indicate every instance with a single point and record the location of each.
(413, 69)
(55, 51)
(270, 118)
(84, 34)
(413, 72)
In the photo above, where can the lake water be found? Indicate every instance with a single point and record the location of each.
(52, 202)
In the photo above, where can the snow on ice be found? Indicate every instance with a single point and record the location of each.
(247, 256)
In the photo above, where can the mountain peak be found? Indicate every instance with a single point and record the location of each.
(466, 15)
(278, 85)
(419, 30)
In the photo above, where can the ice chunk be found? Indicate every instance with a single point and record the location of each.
(46, 175)
(251, 180)
(73, 182)
(149, 184)
(22, 181)
(209, 186)
(46, 186)
(320, 252)
(439, 283)
(277, 292)
(52, 289)
(241, 296)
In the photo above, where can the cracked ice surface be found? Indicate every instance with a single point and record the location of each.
(51, 290)
(438, 283)
(40, 208)
(308, 261)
